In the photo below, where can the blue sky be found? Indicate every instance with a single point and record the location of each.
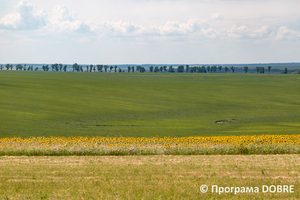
(149, 31)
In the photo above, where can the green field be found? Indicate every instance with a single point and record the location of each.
(135, 104)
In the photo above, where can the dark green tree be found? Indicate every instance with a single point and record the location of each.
(74, 67)
(128, 69)
(262, 70)
(208, 68)
(213, 68)
(171, 69)
(115, 68)
(257, 69)
(161, 69)
(105, 68)
(60, 67)
(180, 69)
(232, 69)
(187, 68)
(246, 69)
(132, 69)
(220, 68)
(165, 68)
(269, 69)
(151, 69)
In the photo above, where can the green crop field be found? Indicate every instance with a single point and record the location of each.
(149, 104)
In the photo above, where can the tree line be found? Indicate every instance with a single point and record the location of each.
(153, 69)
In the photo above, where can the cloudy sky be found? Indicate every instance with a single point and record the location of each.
(149, 31)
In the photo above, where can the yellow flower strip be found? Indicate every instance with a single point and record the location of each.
(48, 142)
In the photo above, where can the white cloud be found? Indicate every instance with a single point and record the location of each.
(244, 32)
(217, 16)
(25, 18)
(171, 28)
(62, 20)
(285, 33)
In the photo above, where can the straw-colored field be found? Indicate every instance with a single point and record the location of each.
(146, 177)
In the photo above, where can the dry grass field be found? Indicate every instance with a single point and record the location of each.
(146, 177)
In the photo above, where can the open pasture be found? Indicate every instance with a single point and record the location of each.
(136, 104)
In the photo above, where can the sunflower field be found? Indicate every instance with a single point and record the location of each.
(220, 145)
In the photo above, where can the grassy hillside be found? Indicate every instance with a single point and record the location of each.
(101, 104)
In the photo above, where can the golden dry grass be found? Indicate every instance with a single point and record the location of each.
(145, 177)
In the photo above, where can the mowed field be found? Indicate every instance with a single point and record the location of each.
(149, 104)
(147, 177)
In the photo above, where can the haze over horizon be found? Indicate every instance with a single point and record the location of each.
(149, 31)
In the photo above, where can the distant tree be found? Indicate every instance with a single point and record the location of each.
(74, 67)
(187, 67)
(171, 69)
(208, 68)
(36, 69)
(180, 69)
(257, 69)
(18, 67)
(110, 68)
(1, 67)
(161, 69)
(232, 69)
(60, 67)
(193, 69)
(285, 71)
(91, 68)
(120, 70)
(87, 68)
(269, 68)
(105, 68)
(115, 68)
(141, 69)
(128, 69)
(132, 69)
(99, 68)
(246, 69)
(156, 69)
(65, 68)
(220, 68)
(165, 68)
(262, 70)
(7, 66)
(151, 69)
(213, 68)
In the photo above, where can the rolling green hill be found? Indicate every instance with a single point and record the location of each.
(150, 104)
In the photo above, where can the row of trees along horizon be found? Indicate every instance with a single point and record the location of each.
(156, 69)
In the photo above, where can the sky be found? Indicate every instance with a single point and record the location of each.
(149, 31)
